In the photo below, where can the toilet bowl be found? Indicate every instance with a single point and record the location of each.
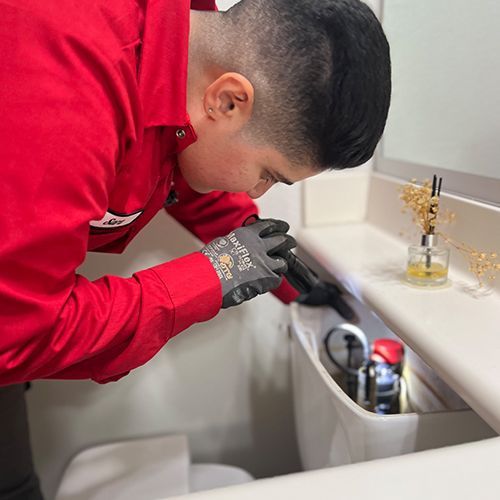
(146, 469)
(333, 430)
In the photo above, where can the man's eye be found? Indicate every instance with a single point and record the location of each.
(269, 178)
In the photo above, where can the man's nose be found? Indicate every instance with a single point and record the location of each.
(259, 189)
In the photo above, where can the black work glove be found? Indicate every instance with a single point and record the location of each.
(327, 294)
(243, 261)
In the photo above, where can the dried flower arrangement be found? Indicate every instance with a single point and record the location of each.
(423, 202)
(424, 206)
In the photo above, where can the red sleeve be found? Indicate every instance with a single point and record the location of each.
(60, 138)
(286, 292)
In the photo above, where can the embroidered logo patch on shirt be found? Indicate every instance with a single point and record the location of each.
(113, 220)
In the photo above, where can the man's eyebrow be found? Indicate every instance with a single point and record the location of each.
(282, 179)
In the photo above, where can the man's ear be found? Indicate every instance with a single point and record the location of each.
(230, 97)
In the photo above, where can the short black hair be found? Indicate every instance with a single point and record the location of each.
(322, 76)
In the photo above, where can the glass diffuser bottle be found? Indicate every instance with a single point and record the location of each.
(428, 263)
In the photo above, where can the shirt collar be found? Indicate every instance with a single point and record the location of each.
(163, 67)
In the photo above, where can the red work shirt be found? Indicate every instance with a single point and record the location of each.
(93, 100)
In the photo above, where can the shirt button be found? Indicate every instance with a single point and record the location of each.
(180, 134)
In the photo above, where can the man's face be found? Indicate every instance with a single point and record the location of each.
(223, 158)
(222, 162)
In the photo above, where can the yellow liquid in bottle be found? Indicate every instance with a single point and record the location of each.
(420, 271)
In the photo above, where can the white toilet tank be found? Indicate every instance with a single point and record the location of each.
(334, 430)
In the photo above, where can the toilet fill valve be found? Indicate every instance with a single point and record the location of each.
(379, 381)
(375, 383)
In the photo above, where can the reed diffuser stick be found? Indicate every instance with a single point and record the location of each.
(433, 208)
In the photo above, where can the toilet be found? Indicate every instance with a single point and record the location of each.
(333, 430)
(149, 468)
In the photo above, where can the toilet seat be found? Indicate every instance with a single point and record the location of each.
(150, 468)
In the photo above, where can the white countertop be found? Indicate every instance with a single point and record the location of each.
(458, 472)
(451, 328)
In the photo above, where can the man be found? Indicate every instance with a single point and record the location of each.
(114, 109)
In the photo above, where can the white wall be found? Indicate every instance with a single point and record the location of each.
(445, 103)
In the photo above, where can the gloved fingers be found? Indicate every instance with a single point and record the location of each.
(277, 264)
(249, 292)
(278, 244)
(277, 226)
(266, 227)
(283, 249)
(299, 275)
(237, 296)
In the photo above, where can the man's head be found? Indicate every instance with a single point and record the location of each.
(282, 89)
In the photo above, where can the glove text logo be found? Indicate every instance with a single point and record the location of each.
(240, 251)
(226, 263)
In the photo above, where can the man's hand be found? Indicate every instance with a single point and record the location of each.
(246, 262)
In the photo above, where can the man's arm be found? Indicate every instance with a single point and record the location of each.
(215, 214)
(60, 138)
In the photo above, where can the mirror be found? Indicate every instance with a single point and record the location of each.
(445, 111)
